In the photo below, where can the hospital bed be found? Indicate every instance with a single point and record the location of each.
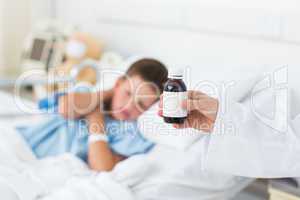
(164, 173)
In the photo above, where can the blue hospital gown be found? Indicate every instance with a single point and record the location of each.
(58, 135)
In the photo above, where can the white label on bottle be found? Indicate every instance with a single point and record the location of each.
(172, 102)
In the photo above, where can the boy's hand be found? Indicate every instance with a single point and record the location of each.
(76, 105)
(202, 111)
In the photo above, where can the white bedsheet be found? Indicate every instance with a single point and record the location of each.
(58, 177)
(164, 174)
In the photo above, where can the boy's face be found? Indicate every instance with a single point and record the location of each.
(132, 96)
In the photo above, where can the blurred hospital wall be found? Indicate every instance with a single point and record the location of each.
(1, 36)
(14, 26)
(16, 20)
(203, 34)
(197, 33)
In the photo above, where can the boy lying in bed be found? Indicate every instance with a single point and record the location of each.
(109, 131)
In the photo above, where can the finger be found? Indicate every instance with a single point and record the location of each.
(178, 126)
(160, 101)
(183, 125)
(199, 104)
(184, 104)
(160, 113)
(192, 94)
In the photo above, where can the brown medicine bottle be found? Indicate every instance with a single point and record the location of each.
(174, 93)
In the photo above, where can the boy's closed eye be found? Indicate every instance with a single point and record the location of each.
(141, 105)
(128, 92)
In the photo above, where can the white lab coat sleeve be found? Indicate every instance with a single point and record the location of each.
(256, 136)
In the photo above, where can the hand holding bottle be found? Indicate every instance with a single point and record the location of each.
(202, 111)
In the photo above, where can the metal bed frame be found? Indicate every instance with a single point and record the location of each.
(4, 83)
(21, 82)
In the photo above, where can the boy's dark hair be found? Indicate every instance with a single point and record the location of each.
(150, 70)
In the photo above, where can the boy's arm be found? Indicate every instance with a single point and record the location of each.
(100, 156)
(75, 105)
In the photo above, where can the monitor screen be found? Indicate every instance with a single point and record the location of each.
(37, 49)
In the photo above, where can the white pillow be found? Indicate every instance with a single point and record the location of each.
(156, 130)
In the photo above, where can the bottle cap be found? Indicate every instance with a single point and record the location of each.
(176, 73)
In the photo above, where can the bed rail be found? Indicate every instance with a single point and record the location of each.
(6, 82)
